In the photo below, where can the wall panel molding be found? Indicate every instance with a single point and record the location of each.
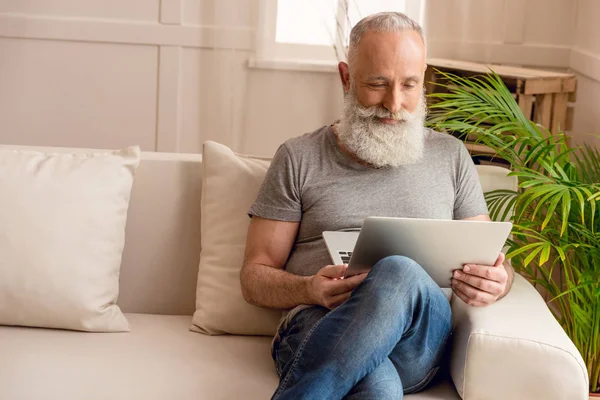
(126, 32)
(586, 63)
(171, 12)
(168, 124)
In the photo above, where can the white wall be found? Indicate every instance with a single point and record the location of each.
(561, 34)
(525, 32)
(585, 60)
(284, 104)
(164, 74)
(66, 93)
(170, 74)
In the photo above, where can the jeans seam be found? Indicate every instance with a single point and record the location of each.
(425, 379)
(300, 350)
(377, 382)
(297, 358)
(440, 313)
(449, 322)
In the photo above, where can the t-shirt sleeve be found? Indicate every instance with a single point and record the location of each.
(278, 197)
(469, 201)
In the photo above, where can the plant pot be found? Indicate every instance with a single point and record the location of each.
(595, 395)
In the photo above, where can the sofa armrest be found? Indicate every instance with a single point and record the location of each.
(514, 349)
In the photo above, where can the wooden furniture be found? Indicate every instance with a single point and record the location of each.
(543, 96)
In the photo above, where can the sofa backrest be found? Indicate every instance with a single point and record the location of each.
(162, 249)
(162, 244)
(495, 178)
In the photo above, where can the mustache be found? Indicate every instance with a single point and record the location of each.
(379, 111)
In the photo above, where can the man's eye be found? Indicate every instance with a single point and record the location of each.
(377, 85)
(409, 86)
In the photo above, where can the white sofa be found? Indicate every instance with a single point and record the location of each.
(511, 350)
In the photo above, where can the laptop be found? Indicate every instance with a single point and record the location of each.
(439, 246)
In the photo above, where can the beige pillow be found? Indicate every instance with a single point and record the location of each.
(62, 233)
(230, 184)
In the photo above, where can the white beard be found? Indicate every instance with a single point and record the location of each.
(380, 144)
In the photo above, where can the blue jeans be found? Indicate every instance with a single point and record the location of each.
(387, 339)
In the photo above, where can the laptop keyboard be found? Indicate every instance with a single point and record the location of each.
(345, 256)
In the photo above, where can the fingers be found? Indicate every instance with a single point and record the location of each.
(472, 295)
(486, 285)
(330, 290)
(466, 298)
(346, 285)
(495, 273)
(500, 260)
(344, 289)
(333, 271)
(337, 300)
(480, 285)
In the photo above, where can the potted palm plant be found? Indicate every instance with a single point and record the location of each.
(556, 236)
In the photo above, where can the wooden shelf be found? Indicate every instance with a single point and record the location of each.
(543, 96)
(502, 70)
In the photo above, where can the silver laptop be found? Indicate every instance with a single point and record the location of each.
(439, 246)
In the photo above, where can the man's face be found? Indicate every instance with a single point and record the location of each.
(384, 106)
(388, 71)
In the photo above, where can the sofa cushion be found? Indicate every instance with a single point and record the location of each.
(159, 359)
(230, 183)
(62, 232)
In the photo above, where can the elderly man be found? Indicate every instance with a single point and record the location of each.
(382, 334)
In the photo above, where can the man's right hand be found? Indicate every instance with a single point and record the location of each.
(326, 288)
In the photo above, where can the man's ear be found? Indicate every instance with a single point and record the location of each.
(344, 76)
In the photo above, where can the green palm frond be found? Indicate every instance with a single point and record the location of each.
(501, 203)
(555, 240)
(587, 161)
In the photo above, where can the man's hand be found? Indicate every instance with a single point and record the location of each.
(326, 288)
(481, 285)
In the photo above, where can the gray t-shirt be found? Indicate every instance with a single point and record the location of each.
(312, 181)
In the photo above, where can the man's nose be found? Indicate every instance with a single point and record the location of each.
(394, 99)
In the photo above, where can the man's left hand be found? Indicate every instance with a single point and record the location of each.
(481, 285)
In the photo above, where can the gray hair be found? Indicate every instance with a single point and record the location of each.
(381, 22)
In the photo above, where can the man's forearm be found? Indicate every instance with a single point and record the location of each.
(273, 288)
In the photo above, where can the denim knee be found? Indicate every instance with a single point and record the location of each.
(406, 275)
(384, 389)
(390, 389)
(401, 269)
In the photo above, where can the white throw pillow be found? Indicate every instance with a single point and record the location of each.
(230, 184)
(62, 233)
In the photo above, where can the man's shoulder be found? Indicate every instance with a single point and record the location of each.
(438, 141)
(307, 143)
(436, 137)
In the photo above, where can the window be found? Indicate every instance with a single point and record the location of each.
(318, 30)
